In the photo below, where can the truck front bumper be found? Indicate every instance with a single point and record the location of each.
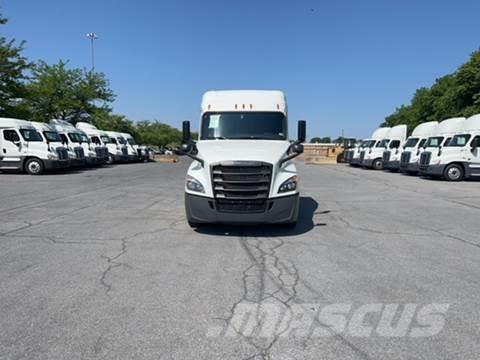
(56, 164)
(392, 165)
(282, 210)
(432, 170)
(411, 168)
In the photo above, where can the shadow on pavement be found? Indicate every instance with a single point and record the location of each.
(305, 223)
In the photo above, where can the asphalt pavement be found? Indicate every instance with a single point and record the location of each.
(101, 264)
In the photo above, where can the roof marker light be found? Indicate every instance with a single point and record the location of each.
(243, 106)
(251, 106)
(236, 106)
(278, 107)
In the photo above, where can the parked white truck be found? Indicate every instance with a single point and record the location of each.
(414, 146)
(393, 147)
(118, 147)
(77, 142)
(372, 152)
(135, 152)
(353, 156)
(23, 148)
(242, 170)
(460, 157)
(99, 140)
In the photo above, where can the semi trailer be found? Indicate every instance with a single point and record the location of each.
(242, 170)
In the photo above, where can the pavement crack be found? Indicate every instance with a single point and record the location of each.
(113, 263)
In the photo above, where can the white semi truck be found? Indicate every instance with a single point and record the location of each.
(372, 152)
(118, 147)
(414, 146)
(391, 155)
(354, 154)
(447, 129)
(460, 157)
(99, 140)
(77, 142)
(23, 148)
(135, 152)
(242, 170)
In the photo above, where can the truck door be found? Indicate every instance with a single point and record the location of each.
(474, 164)
(11, 146)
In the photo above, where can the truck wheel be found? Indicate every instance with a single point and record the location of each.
(109, 160)
(34, 166)
(377, 164)
(454, 172)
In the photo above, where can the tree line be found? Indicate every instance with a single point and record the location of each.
(38, 91)
(453, 95)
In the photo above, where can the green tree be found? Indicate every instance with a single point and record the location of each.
(13, 74)
(456, 94)
(59, 92)
(158, 134)
(323, 140)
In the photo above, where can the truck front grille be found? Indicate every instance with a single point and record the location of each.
(348, 155)
(79, 153)
(405, 159)
(101, 152)
(425, 159)
(241, 186)
(362, 156)
(62, 153)
(124, 151)
(386, 156)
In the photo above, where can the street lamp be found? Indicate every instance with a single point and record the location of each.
(92, 36)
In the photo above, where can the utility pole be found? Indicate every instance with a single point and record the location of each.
(92, 36)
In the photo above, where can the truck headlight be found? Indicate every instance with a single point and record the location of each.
(51, 157)
(288, 185)
(194, 185)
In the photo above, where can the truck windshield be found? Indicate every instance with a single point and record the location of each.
(459, 140)
(74, 137)
(412, 142)
(105, 139)
(131, 141)
(31, 135)
(52, 136)
(383, 143)
(244, 125)
(84, 138)
(368, 144)
(434, 142)
(121, 140)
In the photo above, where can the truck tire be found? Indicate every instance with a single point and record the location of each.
(109, 160)
(34, 166)
(377, 164)
(454, 172)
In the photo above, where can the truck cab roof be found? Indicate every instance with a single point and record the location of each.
(244, 100)
(380, 133)
(15, 123)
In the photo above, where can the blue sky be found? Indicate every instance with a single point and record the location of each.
(343, 64)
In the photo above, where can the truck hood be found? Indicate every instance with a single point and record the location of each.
(214, 151)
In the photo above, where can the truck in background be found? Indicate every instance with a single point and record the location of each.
(371, 154)
(414, 146)
(99, 140)
(242, 170)
(458, 159)
(77, 142)
(391, 155)
(118, 147)
(447, 129)
(354, 154)
(25, 149)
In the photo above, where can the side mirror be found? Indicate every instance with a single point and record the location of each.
(302, 131)
(297, 148)
(186, 134)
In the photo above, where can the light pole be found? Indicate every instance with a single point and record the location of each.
(92, 36)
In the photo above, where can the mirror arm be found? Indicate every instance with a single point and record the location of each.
(292, 155)
(191, 156)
